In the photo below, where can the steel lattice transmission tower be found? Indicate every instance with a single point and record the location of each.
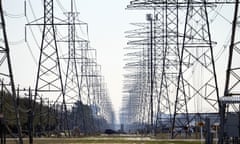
(78, 66)
(139, 82)
(192, 46)
(49, 82)
(49, 78)
(6, 72)
(71, 86)
(197, 81)
(168, 43)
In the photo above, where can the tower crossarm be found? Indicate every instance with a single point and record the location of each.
(150, 4)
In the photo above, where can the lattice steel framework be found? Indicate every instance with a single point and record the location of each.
(168, 39)
(71, 86)
(49, 82)
(83, 80)
(138, 86)
(49, 78)
(165, 41)
(84, 83)
(193, 51)
(197, 81)
(166, 57)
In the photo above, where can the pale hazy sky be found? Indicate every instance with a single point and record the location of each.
(107, 21)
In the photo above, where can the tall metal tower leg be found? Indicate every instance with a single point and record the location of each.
(169, 47)
(232, 84)
(196, 60)
(49, 78)
(6, 74)
(71, 85)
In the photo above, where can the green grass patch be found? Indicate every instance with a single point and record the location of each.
(102, 141)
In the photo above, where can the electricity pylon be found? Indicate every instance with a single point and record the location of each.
(49, 82)
(71, 84)
(168, 37)
(166, 40)
(197, 81)
(49, 78)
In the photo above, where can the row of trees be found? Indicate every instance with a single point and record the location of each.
(49, 118)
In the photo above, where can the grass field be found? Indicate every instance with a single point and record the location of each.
(105, 140)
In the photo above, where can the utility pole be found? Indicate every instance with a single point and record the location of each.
(30, 116)
(2, 98)
(2, 129)
(6, 71)
(150, 19)
(2, 121)
(48, 118)
(40, 126)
